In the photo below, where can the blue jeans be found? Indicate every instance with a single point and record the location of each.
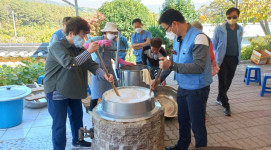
(191, 111)
(58, 110)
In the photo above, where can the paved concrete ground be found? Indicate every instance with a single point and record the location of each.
(248, 128)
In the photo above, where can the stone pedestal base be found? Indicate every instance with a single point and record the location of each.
(141, 135)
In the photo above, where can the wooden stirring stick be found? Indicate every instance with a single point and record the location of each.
(156, 78)
(106, 71)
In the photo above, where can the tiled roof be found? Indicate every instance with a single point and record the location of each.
(23, 49)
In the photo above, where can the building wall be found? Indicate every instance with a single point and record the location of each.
(250, 30)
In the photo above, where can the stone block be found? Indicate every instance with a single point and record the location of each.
(127, 148)
(117, 140)
(146, 128)
(142, 145)
(143, 137)
(105, 137)
(131, 131)
(113, 147)
(131, 140)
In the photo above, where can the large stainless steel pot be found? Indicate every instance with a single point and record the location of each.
(132, 76)
(126, 112)
(167, 97)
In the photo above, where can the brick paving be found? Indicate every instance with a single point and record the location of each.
(248, 128)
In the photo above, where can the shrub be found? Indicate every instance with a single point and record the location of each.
(27, 73)
(158, 32)
(258, 43)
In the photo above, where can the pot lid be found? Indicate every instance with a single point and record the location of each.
(13, 92)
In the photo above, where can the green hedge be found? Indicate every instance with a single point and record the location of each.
(27, 73)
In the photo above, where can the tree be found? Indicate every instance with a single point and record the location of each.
(95, 23)
(256, 11)
(215, 12)
(251, 11)
(122, 12)
(35, 21)
(184, 6)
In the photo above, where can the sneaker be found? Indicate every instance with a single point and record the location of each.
(219, 102)
(227, 112)
(81, 145)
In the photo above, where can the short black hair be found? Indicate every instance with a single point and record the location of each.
(156, 42)
(136, 20)
(229, 11)
(171, 15)
(75, 24)
(66, 19)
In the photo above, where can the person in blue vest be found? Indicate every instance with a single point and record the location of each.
(59, 34)
(227, 46)
(193, 69)
(139, 39)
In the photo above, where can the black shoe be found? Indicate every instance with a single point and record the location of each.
(219, 102)
(227, 111)
(93, 103)
(81, 145)
(172, 147)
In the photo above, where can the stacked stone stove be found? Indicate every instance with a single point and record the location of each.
(120, 125)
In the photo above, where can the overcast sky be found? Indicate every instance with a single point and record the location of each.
(153, 5)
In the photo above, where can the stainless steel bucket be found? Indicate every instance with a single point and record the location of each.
(132, 76)
(128, 111)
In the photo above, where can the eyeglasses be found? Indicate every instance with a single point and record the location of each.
(167, 28)
(234, 17)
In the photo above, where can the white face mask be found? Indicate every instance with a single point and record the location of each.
(78, 41)
(138, 30)
(170, 35)
(110, 36)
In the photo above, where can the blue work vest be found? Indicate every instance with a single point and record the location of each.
(59, 34)
(184, 56)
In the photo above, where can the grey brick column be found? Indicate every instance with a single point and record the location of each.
(141, 135)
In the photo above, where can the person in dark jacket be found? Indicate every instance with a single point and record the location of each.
(151, 55)
(65, 81)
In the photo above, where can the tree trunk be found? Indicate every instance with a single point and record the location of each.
(265, 26)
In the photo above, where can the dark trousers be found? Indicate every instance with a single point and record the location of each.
(191, 111)
(58, 110)
(139, 63)
(225, 76)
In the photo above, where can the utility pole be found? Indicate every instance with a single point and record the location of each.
(13, 16)
(236, 3)
(76, 7)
